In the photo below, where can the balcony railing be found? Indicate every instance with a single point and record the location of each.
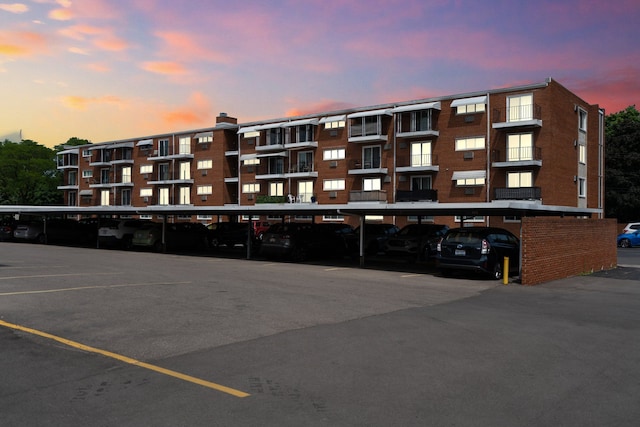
(418, 160)
(369, 164)
(368, 196)
(417, 195)
(518, 113)
(518, 154)
(520, 193)
(270, 199)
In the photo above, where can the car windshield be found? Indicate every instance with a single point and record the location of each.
(463, 236)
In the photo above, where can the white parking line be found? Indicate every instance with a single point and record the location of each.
(82, 288)
(57, 275)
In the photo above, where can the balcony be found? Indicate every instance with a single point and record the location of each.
(169, 154)
(519, 156)
(528, 115)
(418, 163)
(368, 196)
(371, 167)
(429, 195)
(301, 170)
(521, 193)
(270, 171)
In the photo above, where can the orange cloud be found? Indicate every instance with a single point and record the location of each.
(61, 14)
(111, 43)
(99, 67)
(14, 8)
(168, 68)
(196, 112)
(21, 43)
(82, 103)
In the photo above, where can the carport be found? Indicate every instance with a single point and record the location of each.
(519, 209)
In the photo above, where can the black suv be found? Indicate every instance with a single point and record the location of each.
(479, 249)
(417, 241)
(299, 241)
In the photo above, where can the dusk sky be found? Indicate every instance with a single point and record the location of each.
(106, 70)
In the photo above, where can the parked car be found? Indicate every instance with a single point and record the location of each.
(119, 232)
(182, 235)
(7, 226)
(300, 241)
(417, 241)
(631, 227)
(376, 236)
(259, 227)
(629, 240)
(479, 249)
(227, 234)
(56, 230)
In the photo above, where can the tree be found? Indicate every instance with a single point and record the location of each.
(28, 174)
(622, 165)
(72, 142)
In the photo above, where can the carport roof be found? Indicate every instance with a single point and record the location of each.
(495, 208)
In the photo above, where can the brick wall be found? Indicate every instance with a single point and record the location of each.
(555, 248)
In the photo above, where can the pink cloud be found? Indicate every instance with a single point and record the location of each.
(166, 67)
(61, 14)
(22, 43)
(102, 38)
(612, 90)
(196, 112)
(98, 67)
(185, 46)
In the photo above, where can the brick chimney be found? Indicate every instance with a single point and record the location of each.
(224, 118)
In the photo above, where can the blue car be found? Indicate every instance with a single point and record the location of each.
(629, 240)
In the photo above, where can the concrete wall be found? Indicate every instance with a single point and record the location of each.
(555, 248)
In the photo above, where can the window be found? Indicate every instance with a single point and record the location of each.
(334, 154)
(104, 197)
(72, 178)
(73, 198)
(251, 188)
(469, 218)
(420, 183)
(86, 152)
(415, 121)
(204, 164)
(582, 153)
(163, 147)
(276, 165)
(163, 196)
(149, 217)
(371, 157)
(582, 187)
(125, 197)
(519, 179)
(305, 191)
(467, 182)
(365, 126)
(146, 169)
(520, 108)
(470, 108)
(249, 162)
(305, 133)
(511, 218)
(185, 170)
(274, 136)
(126, 174)
(185, 195)
(87, 173)
(205, 138)
(474, 143)
(204, 189)
(104, 176)
(163, 172)
(206, 218)
(582, 120)
(146, 192)
(253, 134)
(371, 184)
(333, 184)
(423, 218)
(335, 125)
(519, 147)
(421, 154)
(276, 188)
(184, 145)
(333, 218)
(305, 161)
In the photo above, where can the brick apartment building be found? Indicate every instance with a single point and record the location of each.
(537, 143)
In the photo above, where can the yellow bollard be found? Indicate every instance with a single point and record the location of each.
(505, 271)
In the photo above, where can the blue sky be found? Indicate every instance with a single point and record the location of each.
(112, 69)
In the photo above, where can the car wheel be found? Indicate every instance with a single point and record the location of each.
(299, 253)
(625, 243)
(497, 271)
(157, 246)
(214, 243)
(127, 242)
(42, 239)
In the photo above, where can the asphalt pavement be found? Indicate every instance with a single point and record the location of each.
(114, 338)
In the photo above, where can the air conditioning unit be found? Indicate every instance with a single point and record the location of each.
(333, 164)
(402, 178)
(145, 199)
(387, 179)
(250, 169)
(469, 191)
(204, 173)
(468, 155)
(250, 197)
(333, 194)
(333, 133)
(145, 176)
(387, 146)
(203, 198)
(155, 152)
(468, 119)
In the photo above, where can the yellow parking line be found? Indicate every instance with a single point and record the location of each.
(125, 359)
(37, 276)
(82, 288)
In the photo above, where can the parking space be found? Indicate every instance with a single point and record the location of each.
(95, 337)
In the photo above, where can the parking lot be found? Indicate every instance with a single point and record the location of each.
(117, 338)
